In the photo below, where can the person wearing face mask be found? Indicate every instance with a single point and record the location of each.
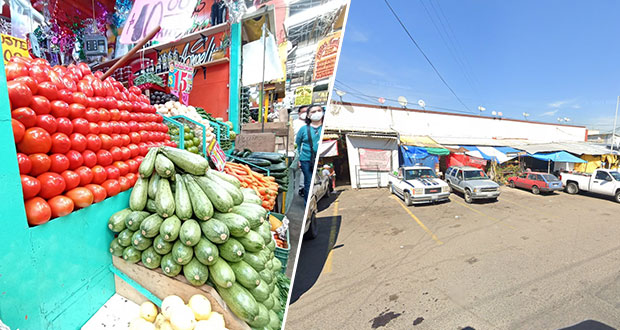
(301, 119)
(307, 141)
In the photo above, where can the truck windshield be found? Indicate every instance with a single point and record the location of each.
(422, 173)
(550, 177)
(475, 175)
(616, 175)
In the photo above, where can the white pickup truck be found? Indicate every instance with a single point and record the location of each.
(603, 182)
(418, 184)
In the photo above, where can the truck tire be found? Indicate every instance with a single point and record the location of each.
(407, 197)
(511, 184)
(468, 196)
(617, 197)
(535, 190)
(572, 188)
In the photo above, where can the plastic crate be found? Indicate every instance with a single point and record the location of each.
(280, 253)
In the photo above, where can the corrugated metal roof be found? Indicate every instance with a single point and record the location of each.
(578, 148)
(420, 141)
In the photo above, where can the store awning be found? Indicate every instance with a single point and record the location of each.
(577, 148)
(498, 154)
(328, 148)
(425, 142)
(411, 156)
(558, 156)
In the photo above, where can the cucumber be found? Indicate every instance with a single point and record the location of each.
(234, 192)
(131, 254)
(268, 302)
(182, 254)
(124, 237)
(206, 252)
(256, 260)
(169, 229)
(153, 181)
(161, 246)
(195, 272)
(215, 230)
(189, 162)
(261, 291)
(116, 223)
(273, 157)
(148, 163)
(277, 305)
(266, 275)
(262, 319)
(245, 274)
(279, 175)
(271, 245)
(240, 301)
(183, 204)
(134, 219)
(226, 177)
(150, 206)
(221, 274)
(274, 320)
(252, 242)
(163, 166)
(278, 167)
(252, 215)
(150, 258)
(169, 266)
(232, 250)
(139, 195)
(203, 209)
(237, 225)
(264, 232)
(221, 199)
(252, 198)
(140, 242)
(150, 226)
(257, 161)
(190, 233)
(164, 200)
(116, 249)
(277, 265)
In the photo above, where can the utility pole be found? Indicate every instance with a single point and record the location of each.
(613, 133)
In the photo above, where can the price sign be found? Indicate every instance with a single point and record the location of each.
(180, 80)
(12, 46)
(174, 17)
(217, 155)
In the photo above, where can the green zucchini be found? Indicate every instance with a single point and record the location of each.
(206, 252)
(131, 254)
(269, 265)
(279, 175)
(221, 199)
(189, 162)
(234, 192)
(148, 163)
(164, 201)
(251, 198)
(190, 232)
(139, 195)
(116, 223)
(268, 302)
(273, 157)
(161, 246)
(134, 219)
(277, 305)
(215, 230)
(203, 209)
(150, 226)
(240, 301)
(251, 212)
(140, 242)
(169, 229)
(277, 265)
(196, 273)
(264, 232)
(257, 161)
(266, 276)
(237, 225)
(278, 167)
(116, 249)
(256, 260)
(221, 274)
(262, 318)
(182, 254)
(248, 191)
(124, 237)
(150, 206)
(226, 177)
(163, 166)
(252, 242)
(153, 182)
(150, 258)
(169, 266)
(245, 274)
(261, 291)
(274, 320)
(183, 204)
(271, 245)
(232, 250)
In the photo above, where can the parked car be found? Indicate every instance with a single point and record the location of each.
(320, 189)
(472, 182)
(535, 182)
(418, 184)
(602, 182)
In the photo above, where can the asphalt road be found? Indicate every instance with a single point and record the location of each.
(524, 262)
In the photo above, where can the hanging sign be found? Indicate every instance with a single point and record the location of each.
(375, 160)
(326, 53)
(320, 97)
(217, 155)
(303, 95)
(12, 46)
(180, 80)
(174, 17)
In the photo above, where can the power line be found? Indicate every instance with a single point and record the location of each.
(426, 57)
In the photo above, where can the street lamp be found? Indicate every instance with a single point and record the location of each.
(340, 94)
(402, 101)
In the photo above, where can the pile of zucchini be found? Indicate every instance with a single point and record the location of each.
(186, 218)
(258, 161)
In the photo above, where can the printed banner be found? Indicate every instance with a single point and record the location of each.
(180, 80)
(303, 95)
(328, 148)
(326, 53)
(12, 46)
(320, 97)
(217, 155)
(174, 17)
(375, 160)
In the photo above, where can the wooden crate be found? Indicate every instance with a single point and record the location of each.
(162, 286)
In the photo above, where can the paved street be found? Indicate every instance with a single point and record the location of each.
(524, 262)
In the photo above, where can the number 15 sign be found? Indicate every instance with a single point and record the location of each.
(180, 80)
(174, 17)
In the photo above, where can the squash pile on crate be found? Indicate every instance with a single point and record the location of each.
(187, 218)
(176, 315)
(275, 162)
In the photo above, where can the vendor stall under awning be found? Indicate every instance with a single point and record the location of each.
(559, 156)
(412, 156)
(426, 143)
(498, 154)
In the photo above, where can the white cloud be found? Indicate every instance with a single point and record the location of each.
(576, 106)
(370, 71)
(558, 104)
(564, 104)
(356, 36)
(549, 113)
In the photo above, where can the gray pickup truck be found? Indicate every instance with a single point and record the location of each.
(472, 182)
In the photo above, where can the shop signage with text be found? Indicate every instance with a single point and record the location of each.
(12, 46)
(173, 16)
(375, 160)
(326, 53)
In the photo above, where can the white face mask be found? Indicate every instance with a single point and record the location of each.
(303, 116)
(316, 116)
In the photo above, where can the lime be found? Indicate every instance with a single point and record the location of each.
(189, 143)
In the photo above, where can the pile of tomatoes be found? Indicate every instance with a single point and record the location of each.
(79, 139)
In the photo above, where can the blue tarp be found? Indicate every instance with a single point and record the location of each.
(410, 156)
(478, 153)
(508, 150)
(558, 156)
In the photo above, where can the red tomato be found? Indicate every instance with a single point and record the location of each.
(144, 148)
(126, 139)
(38, 73)
(106, 141)
(132, 165)
(133, 126)
(122, 167)
(116, 128)
(18, 130)
(126, 153)
(113, 172)
(64, 125)
(134, 149)
(37, 211)
(35, 140)
(25, 116)
(97, 86)
(77, 110)
(105, 128)
(14, 70)
(93, 142)
(117, 153)
(75, 159)
(72, 179)
(94, 128)
(79, 98)
(125, 116)
(92, 115)
(104, 157)
(117, 140)
(98, 191)
(104, 115)
(40, 163)
(81, 197)
(24, 162)
(59, 108)
(59, 163)
(78, 141)
(19, 94)
(56, 79)
(40, 104)
(30, 186)
(48, 90)
(52, 184)
(81, 125)
(139, 159)
(99, 174)
(65, 95)
(111, 103)
(90, 158)
(84, 68)
(115, 114)
(31, 83)
(84, 87)
(86, 175)
(60, 143)
(60, 206)
(125, 183)
(124, 127)
(144, 136)
(132, 177)
(135, 137)
(47, 122)
(112, 187)
(69, 83)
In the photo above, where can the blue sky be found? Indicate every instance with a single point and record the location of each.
(548, 58)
